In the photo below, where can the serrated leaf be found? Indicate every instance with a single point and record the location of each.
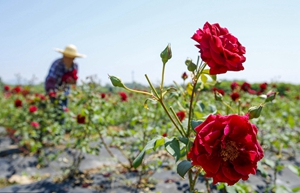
(203, 78)
(173, 148)
(159, 142)
(183, 167)
(150, 145)
(270, 163)
(183, 140)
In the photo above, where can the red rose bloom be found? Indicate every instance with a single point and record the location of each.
(123, 96)
(226, 148)
(103, 95)
(32, 109)
(245, 86)
(6, 88)
(219, 49)
(34, 124)
(234, 86)
(52, 94)
(235, 96)
(180, 115)
(70, 75)
(263, 87)
(184, 76)
(251, 91)
(17, 89)
(18, 103)
(80, 119)
(42, 97)
(222, 92)
(164, 134)
(25, 92)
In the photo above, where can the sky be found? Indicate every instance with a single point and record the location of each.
(124, 38)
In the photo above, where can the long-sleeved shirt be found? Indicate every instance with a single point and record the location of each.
(54, 78)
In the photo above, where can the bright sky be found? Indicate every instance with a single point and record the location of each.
(125, 38)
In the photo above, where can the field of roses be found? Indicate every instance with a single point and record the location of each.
(221, 131)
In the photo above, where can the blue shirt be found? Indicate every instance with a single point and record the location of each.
(54, 78)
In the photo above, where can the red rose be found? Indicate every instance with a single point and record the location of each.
(219, 49)
(123, 96)
(180, 115)
(226, 148)
(164, 134)
(34, 124)
(235, 96)
(222, 92)
(184, 76)
(103, 95)
(42, 97)
(18, 103)
(263, 87)
(32, 109)
(245, 86)
(6, 88)
(52, 94)
(25, 92)
(67, 77)
(234, 86)
(80, 119)
(17, 89)
(251, 91)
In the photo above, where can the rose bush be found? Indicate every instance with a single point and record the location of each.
(219, 49)
(226, 148)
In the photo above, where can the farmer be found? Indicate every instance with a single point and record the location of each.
(62, 74)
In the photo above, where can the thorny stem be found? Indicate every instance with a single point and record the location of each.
(178, 121)
(162, 78)
(152, 87)
(138, 91)
(173, 121)
(201, 68)
(192, 98)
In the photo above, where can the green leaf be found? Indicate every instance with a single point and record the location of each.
(201, 106)
(150, 145)
(183, 167)
(294, 169)
(138, 160)
(203, 78)
(196, 123)
(296, 189)
(214, 77)
(183, 140)
(270, 163)
(172, 146)
(261, 169)
(230, 189)
(159, 142)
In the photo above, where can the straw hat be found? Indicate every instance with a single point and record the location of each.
(70, 51)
